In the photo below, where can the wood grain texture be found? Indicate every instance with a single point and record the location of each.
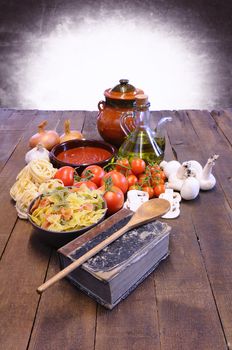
(133, 324)
(12, 168)
(22, 267)
(65, 318)
(184, 304)
(200, 228)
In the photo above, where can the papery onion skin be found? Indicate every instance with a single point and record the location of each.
(70, 134)
(47, 138)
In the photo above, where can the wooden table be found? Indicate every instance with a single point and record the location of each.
(185, 304)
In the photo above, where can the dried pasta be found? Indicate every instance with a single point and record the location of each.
(34, 179)
(68, 209)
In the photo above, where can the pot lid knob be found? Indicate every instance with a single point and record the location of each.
(124, 86)
(123, 91)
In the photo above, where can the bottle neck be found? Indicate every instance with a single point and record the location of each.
(142, 118)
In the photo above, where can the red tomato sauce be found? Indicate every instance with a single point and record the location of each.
(84, 155)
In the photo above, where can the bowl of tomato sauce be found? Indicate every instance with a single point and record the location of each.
(81, 153)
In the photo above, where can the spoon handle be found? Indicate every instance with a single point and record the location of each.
(83, 258)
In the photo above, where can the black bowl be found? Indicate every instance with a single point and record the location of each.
(58, 239)
(67, 145)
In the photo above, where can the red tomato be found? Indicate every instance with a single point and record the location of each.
(138, 166)
(93, 173)
(118, 180)
(90, 184)
(149, 190)
(158, 190)
(122, 165)
(65, 174)
(114, 198)
(132, 180)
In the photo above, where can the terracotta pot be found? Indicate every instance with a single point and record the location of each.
(118, 100)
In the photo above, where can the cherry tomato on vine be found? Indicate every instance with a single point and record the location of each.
(66, 175)
(122, 165)
(149, 190)
(158, 190)
(118, 180)
(114, 198)
(138, 166)
(93, 173)
(132, 180)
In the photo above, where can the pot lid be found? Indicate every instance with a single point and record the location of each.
(123, 91)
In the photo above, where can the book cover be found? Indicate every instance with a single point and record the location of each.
(113, 273)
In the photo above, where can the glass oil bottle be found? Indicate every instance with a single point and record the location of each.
(140, 142)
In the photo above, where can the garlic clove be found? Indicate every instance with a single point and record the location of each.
(190, 188)
(207, 184)
(174, 183)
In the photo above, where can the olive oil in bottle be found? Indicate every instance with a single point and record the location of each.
(140, 142)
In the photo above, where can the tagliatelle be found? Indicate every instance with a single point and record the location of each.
(68, 209)
(34, 179)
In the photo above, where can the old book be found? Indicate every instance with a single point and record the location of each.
(112, 274)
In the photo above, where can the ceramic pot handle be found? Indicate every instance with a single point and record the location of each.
(123, 122)
(101, 105)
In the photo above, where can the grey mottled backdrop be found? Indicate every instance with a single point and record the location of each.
(204, 27)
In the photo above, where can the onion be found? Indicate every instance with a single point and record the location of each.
(47, 138)
(70, 134)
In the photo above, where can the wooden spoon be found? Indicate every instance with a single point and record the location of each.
(147, 212)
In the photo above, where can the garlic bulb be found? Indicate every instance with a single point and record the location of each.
(194, 166)
(38, 152)
(190, 188)
(170, 167)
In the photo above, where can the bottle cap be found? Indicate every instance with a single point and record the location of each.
(141, 101)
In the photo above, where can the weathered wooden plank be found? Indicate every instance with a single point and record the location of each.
(22, 267)
(18, 120)
(10, 171)
(197, 219)
(187, 322)
(8, 143)
(65, 318)
(76, 120)
(213, 226)
(223, 119)
(133, 324)
(90, 126)
(184, 295)
(4, 114)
